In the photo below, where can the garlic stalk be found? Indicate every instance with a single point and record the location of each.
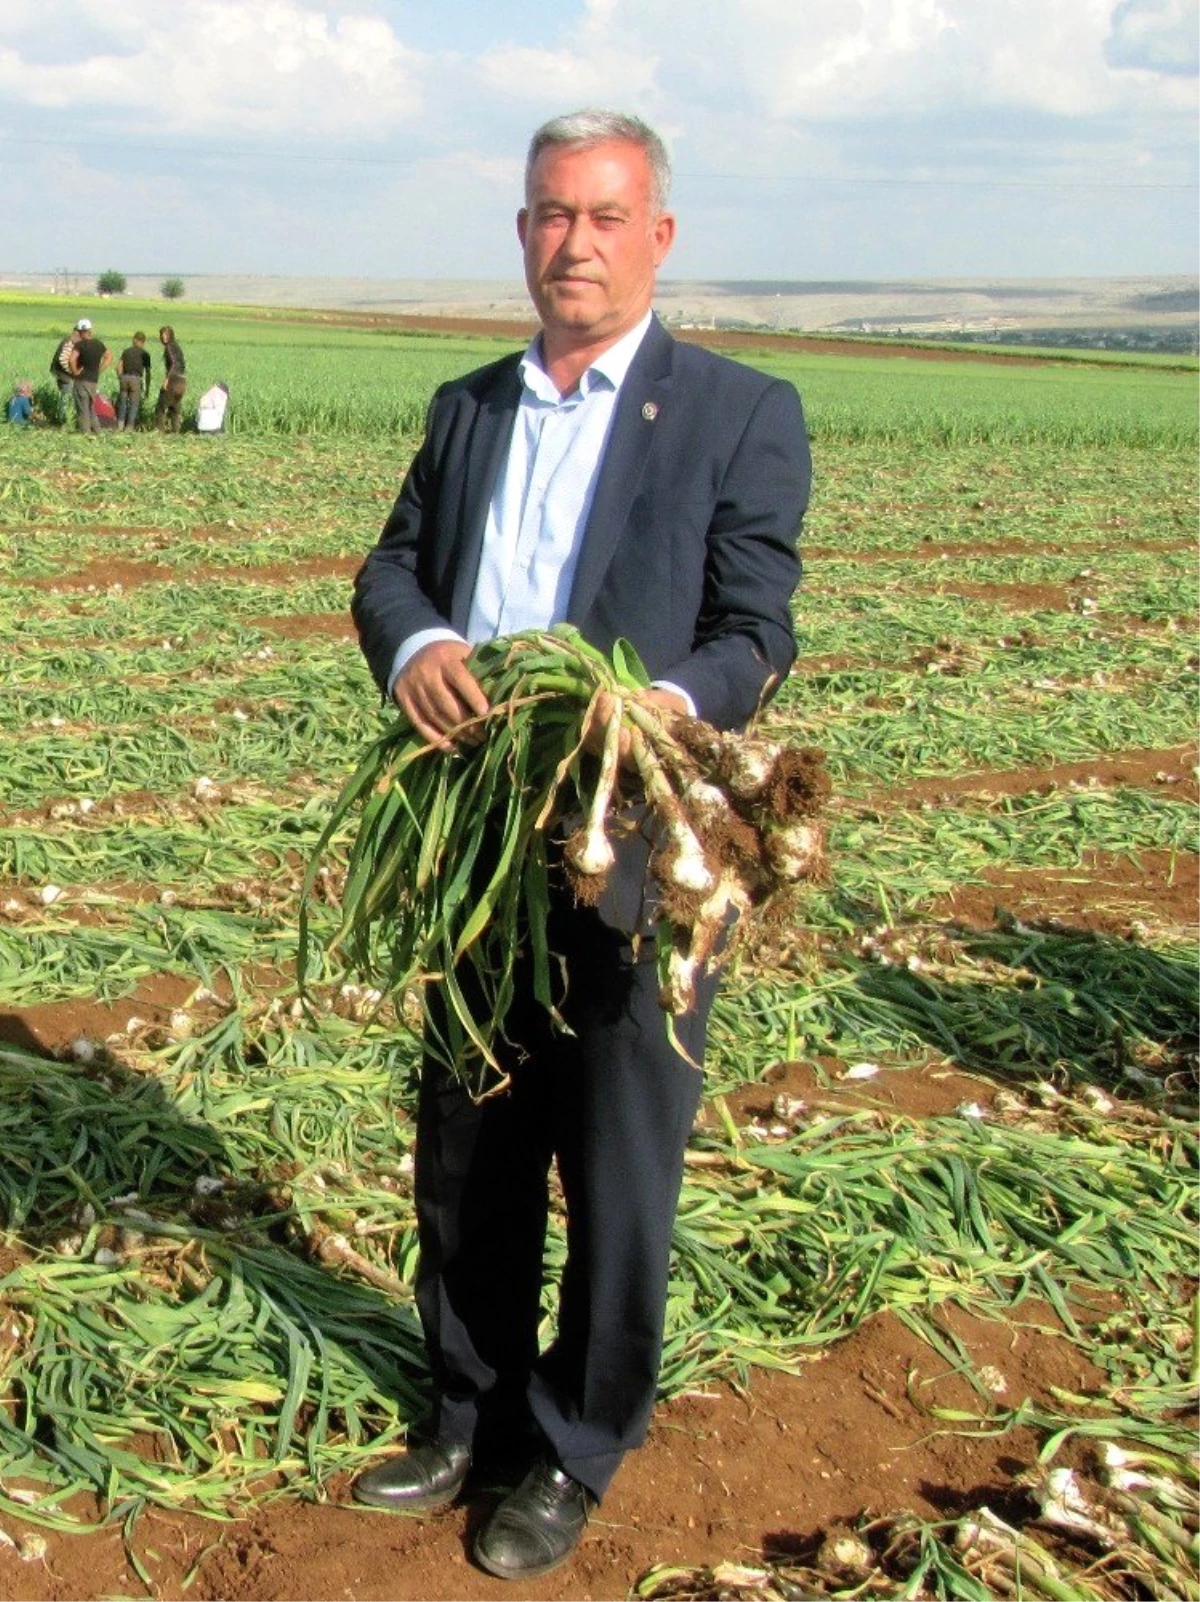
(688, 866)
(591, 852)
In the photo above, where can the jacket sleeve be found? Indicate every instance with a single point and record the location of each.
(393, 591)
(744, 641)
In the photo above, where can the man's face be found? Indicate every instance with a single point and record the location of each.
(592, 240)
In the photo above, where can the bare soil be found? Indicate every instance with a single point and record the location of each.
(1170, 767)
(50, 1028)
(711, 338)
(933, 550)
(110, 574)
(330, 625)
(728, 1475)
(1121, 896)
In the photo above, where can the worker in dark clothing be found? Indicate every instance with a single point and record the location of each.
(91, 357)
(170, 396)
(62, 370)
(133, 371)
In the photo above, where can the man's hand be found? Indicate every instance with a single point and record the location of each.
(663, 700)
(437, 692)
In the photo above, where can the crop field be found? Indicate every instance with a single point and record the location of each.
(936, 1253)
(299, 375)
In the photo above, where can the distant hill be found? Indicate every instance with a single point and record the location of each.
(1139, 313)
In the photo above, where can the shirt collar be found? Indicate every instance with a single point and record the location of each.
(610, 367)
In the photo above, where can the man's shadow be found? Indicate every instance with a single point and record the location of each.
(1049, 998)
(103, 1173)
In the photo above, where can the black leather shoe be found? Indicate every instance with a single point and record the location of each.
(425, 1478)
(536, 1527)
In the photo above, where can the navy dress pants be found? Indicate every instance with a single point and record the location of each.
(612, 1104)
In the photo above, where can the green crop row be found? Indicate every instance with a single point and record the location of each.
(311, 379)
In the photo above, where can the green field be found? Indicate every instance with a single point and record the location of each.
(1001, 578)
(300, 375)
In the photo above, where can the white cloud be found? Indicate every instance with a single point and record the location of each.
(341, 73)
(219, 67)
(840, 60)
(1155, 36)
(565, 79)
(810, 136)
(823, 60)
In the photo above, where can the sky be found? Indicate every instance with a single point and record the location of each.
(811, 139)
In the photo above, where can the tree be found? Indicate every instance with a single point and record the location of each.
(171, 289)
(110, 283)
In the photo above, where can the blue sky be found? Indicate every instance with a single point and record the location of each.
(812, 139)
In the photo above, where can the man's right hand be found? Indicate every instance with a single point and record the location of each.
(437, 693)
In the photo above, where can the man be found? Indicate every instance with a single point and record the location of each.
(634, 487)
(90, 358)
(62, 370)
(170, 396)
(133, 370)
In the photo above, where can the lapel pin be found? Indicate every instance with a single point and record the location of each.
(650, 411)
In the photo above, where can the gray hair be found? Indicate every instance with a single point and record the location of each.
(583, 129)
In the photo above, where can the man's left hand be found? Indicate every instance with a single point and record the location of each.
(665, 701)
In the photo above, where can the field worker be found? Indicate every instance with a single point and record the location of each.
(62, 370)
(91, 357)
(170, 396)
(133, 372)
(632, 486)
(20, 407)
(210, 409)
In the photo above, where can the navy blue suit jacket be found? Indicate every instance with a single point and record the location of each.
(690, 547)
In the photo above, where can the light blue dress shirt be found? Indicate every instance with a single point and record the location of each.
(543, 496)
(540, 505)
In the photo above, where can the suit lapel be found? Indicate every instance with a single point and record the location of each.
(644, 393)
(490, 435)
